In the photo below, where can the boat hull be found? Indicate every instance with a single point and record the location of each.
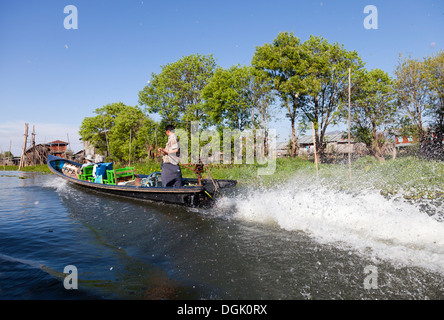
(191, 196)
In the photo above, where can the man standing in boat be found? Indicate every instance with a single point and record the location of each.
(171, 173)
(89, 162)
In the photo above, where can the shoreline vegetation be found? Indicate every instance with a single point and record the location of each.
(313, 84)
(412, 177)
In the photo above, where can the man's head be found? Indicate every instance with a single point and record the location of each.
(169, 129)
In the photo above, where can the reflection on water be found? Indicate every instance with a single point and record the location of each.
(254, 245)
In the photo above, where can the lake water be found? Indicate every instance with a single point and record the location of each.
(295, 242)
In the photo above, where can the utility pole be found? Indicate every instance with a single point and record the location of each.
(349, 121)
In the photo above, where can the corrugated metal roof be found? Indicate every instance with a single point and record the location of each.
(335, 136)
(331, 137)
(281, 145)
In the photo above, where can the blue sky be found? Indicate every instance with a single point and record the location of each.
(52, 77)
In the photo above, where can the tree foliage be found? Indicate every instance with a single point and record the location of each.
(412, 91)
(327, 84)
(175, 93)
(311, 79)
(96, 129)
(130, 135)
(373, 110)
(308, 80)
(285, 63)
(117, 126)
(434, 73)
(420, 89)
(238, 98)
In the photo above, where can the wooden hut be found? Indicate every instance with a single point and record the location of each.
(58, 148)
(36, 154)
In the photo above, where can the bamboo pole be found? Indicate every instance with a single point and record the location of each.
(22, 158)
(315, 152)
(349, 124)
(33, 161)
(33, 135)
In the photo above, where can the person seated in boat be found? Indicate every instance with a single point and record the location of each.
(171, 173)
(89, 162)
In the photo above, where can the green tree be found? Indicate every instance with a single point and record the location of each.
(116, 126)
(434, 73)
(373, 110)
(130, 136)
(286, 64)
(412, 91)
(326, 84)
(175, 93)
(238, 98)
(96, 129)
(311, 80)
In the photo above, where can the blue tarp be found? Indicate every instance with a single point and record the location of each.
(101, 169)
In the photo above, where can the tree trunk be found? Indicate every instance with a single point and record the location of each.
(294, 144)
(319, 147)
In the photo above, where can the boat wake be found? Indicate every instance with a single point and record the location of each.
(59, 184)
(365, 221)
(392, 229)
(29, 263)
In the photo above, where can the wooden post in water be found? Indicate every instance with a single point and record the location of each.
(33, 161)
(349, 121)
(33, 136)
(22, 158)
(315, 152)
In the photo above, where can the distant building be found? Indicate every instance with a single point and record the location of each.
(88, 150)
(13, 161)
(58, 148)
(403, 141)
(282, 149)
(37, 154)
(336, 143)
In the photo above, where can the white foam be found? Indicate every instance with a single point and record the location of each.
(57, 183)
(366, 221)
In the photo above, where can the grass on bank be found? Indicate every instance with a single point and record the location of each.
(413, 177)
(43, 168)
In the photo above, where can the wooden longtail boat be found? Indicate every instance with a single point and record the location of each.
(126, 182)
